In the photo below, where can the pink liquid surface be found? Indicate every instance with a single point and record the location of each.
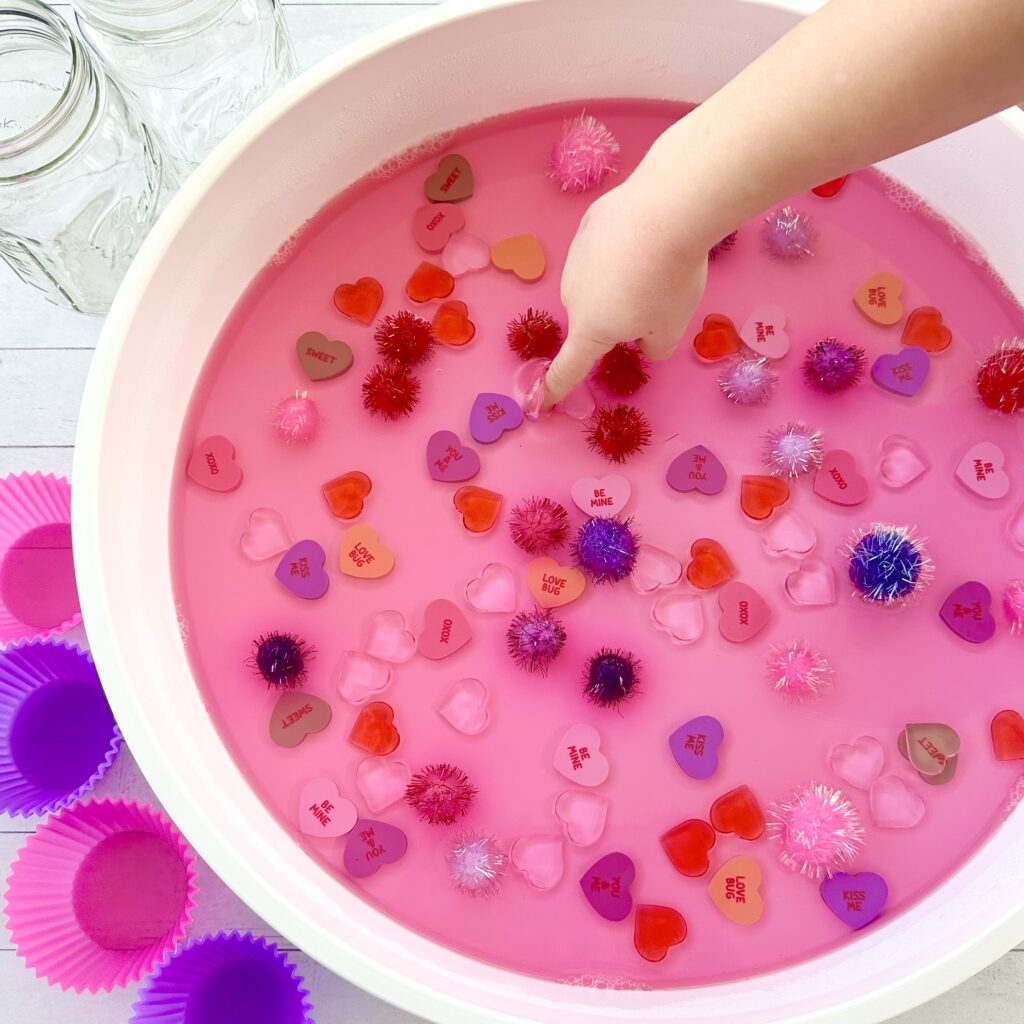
(892, 667)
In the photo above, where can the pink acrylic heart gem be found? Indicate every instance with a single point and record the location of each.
(578, 756)
(539, 859)
(389, 639)
(448, 459)
(601, 496)
(654, 569)
(744, 612)
(697, 469)
(812, 583)
(323, 811)
(838, 481)
(1015, 528)
(445, 630)
(679, 615)
(967, 612)
(494, 590)
(361, 676)
(858, 763)
(301, 570)
(893, 805)
(372, 844)
(528, 389)
(764, 332)
(583, 816)
(606, 886)
(266, 536)
(381, 783)
(213, 465)
(433, 226)
(902, 461)
(465, 253)
(788, 533)
(981, 471)
(464, 706)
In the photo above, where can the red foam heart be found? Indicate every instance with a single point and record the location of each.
(718, 338)
(1008, 736)
(374, 729)
(688, 846)
(359, 301)
(924, 329)
(830, 188)
(656, 930)
(739, 813)
(429, 281)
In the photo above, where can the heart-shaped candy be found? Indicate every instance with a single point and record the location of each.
(539, 859)
(878, 298)
(464, 706)
(578, 756)
(735, 890)
(364, 555)
(688, 846)
(654, 569)
(451, 324)
(855, 899)
(429, 281)
(449, 460)
(697, 469)
(359, 301)
(451, 182)
(374, 730)
(301, 570)
(601, 497)
(583, 815)
(345, 495)
(361, 676)
(981, 471)
(967, 612)
(213, 465)
(381, 782)
(433, 226)
(370, 845)
(893, 805)
(494, 590)
(1008, 736)
(606, 886)
(738, 812)
(941, 778)
(389, 639)
(903, 373)
(492, 415)
(297, 715)
(858, 763)
(266, 536)
(830, 188)
(321, 358)
(760, 496)
(925, 329)
(709, 564)
(521, 255)
(695, 745)
(656, 930)
(679, 615)
(838, 481)
(764, 332)
(464, 254)
(812, 583)
(323, 811)
(554, 585)
(930, 746)
(717, 338)
(744, 612)
(445, 630)
(478, 507)
(902, 461)
(789, 533)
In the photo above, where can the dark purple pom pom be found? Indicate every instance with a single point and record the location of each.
(534, 639)
(605, 549)
(612, 677)
(830, 366)
(281, 658)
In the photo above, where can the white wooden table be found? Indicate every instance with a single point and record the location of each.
(44, 357)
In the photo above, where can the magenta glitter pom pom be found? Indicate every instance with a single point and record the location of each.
(296, 418)
(440, 794)
(788, 234)
(534, 639)
(748, 380)
(725, 245)
(817, 830)
(798, 672)
(476, 864)
(792, 450)
(1013, 606)
(831, 367)
(539, 525)
(584, 154)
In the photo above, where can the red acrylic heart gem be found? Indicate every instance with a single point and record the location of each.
(738, 812)
(688, 846)
(1008, 736)
(830, 188)
(656, 930)
(924, 329)
(762, 495)
(718, 338)
(374, 729)
(429, 281)
(344, 494)
(359, 301)
(452, 325)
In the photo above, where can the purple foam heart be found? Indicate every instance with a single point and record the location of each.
(301, 570)
(903, 373)
(697, 469)
(492, 415)
(855, 899)
(966, 612)
(606, 885)
(448, 460)
(371, 844)
(695, 745)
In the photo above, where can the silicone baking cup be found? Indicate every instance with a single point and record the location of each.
(58, 736)
(38, 595)
(225, 979)
(100, 894)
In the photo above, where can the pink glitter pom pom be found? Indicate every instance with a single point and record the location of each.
(792, 450)
(534, 639)
(788, 234)
(476, 864)
(584, 154)
(748, 381)
(440, 794)
(818, 831)
(798, 672)
(296, 418)
(1013, 606)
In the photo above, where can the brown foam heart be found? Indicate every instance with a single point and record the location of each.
(297, 715)
(521, 255)
(451, 182)
(322, 359)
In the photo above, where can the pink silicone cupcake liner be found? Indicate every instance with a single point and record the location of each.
(228, 978)
(58, 736)
(38, 595)
(100, 894)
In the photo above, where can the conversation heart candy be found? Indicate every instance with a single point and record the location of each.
(893, 805)
(213, 465)
(464, 706)
(433, 226)
(388, 638)
(606, 884)
(764, 332)
(493, 591)
(738, 812)
(297, 715)
(856, 899)
(967, 612)
(735, 890)
(323, 811)
(359, 301)
(539, 859)
(374, 730)
(301, 570)
(322, 358)
(361, 677)
(981, 471)
(656, 930)
(601, 496)
(903, 373)
(451, 182)
(363, 555)
(493, 415)
(554, 585)
(902, 461)
(445, 630)
(688, 846)
(878, 298)
(744, 612)
(372, 844)
(449, 460)
(654, 569)
(345, 494)
(679, 615)
(695, 745)
(858, 763)
(266, 536)
(697, 469)
(583, 815)
(381, 782)
(578, 756)
(838, 481)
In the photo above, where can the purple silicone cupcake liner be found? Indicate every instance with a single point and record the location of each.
(228, 978)
(58, 736)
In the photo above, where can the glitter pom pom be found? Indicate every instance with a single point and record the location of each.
(792, 450)
(476, 864)
(617, 431)
(296, 418)
(830, 366)
(611, 677)
(535, 335)
(404, 338)
(888, 564)
(818, 831)
(748, 381)
(534, 639)
(1001, 377)
(1013, 606)
(605, 549)
(281, 659)
(539, 525)
(725, 245)
(788, 234)
(584, 154)
(623, 370)
(390, 391)
(440, 794)
(798, 672)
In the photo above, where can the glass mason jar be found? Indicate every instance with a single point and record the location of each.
(80, 178)
(195, 68)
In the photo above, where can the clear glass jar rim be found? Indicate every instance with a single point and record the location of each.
(157, 20)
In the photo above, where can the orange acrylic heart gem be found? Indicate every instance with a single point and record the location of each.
(738, 812)
(1008, 736)
(374, 730)
(924, 329)
(429, 281)
(452, 325)
(656, 930)
(718, 339)
(344, 494)
(688, 846)
(359, 301)
(478, 506)
(760, 496)
(709, 564)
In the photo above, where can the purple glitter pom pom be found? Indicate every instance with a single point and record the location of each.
(748, 381)
(788, 234)
(534, 639)
(830, 366)
(605, 550)
(793, 449)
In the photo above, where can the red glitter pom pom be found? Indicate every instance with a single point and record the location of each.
(1001, 377)
(725, 245)
(535, 335)
(539, 524)
(623, 370)
(618, 431)
(440, 793)
(404, 338)
(390, 391)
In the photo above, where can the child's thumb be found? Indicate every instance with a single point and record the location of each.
(572, 364)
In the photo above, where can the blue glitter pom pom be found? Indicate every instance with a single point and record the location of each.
(888, 564)
(611, 678)
(605, 549)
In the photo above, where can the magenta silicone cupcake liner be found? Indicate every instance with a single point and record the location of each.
(58, 736)
(100, 894)
(228, 978)
(38, 595)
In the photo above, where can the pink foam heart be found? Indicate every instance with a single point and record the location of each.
(578, 756)
(981, 471)
(361, 676)
(903, 461)
(381, 783)
(540, 860)
(434, 225)
(213, 464)
(893, 805)
(788, 533)
(859, 763)
(465, 253)
(323, 811)
(583, 815)
(744, 612)
(464, 706)
(838, 480)
(266, 536)
(389, 639)
(679, 615)
(764, 332)
(445, 630)
(601, 496)
(494, 590)
(654, 569)
(812, 583)
(1015, 527)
